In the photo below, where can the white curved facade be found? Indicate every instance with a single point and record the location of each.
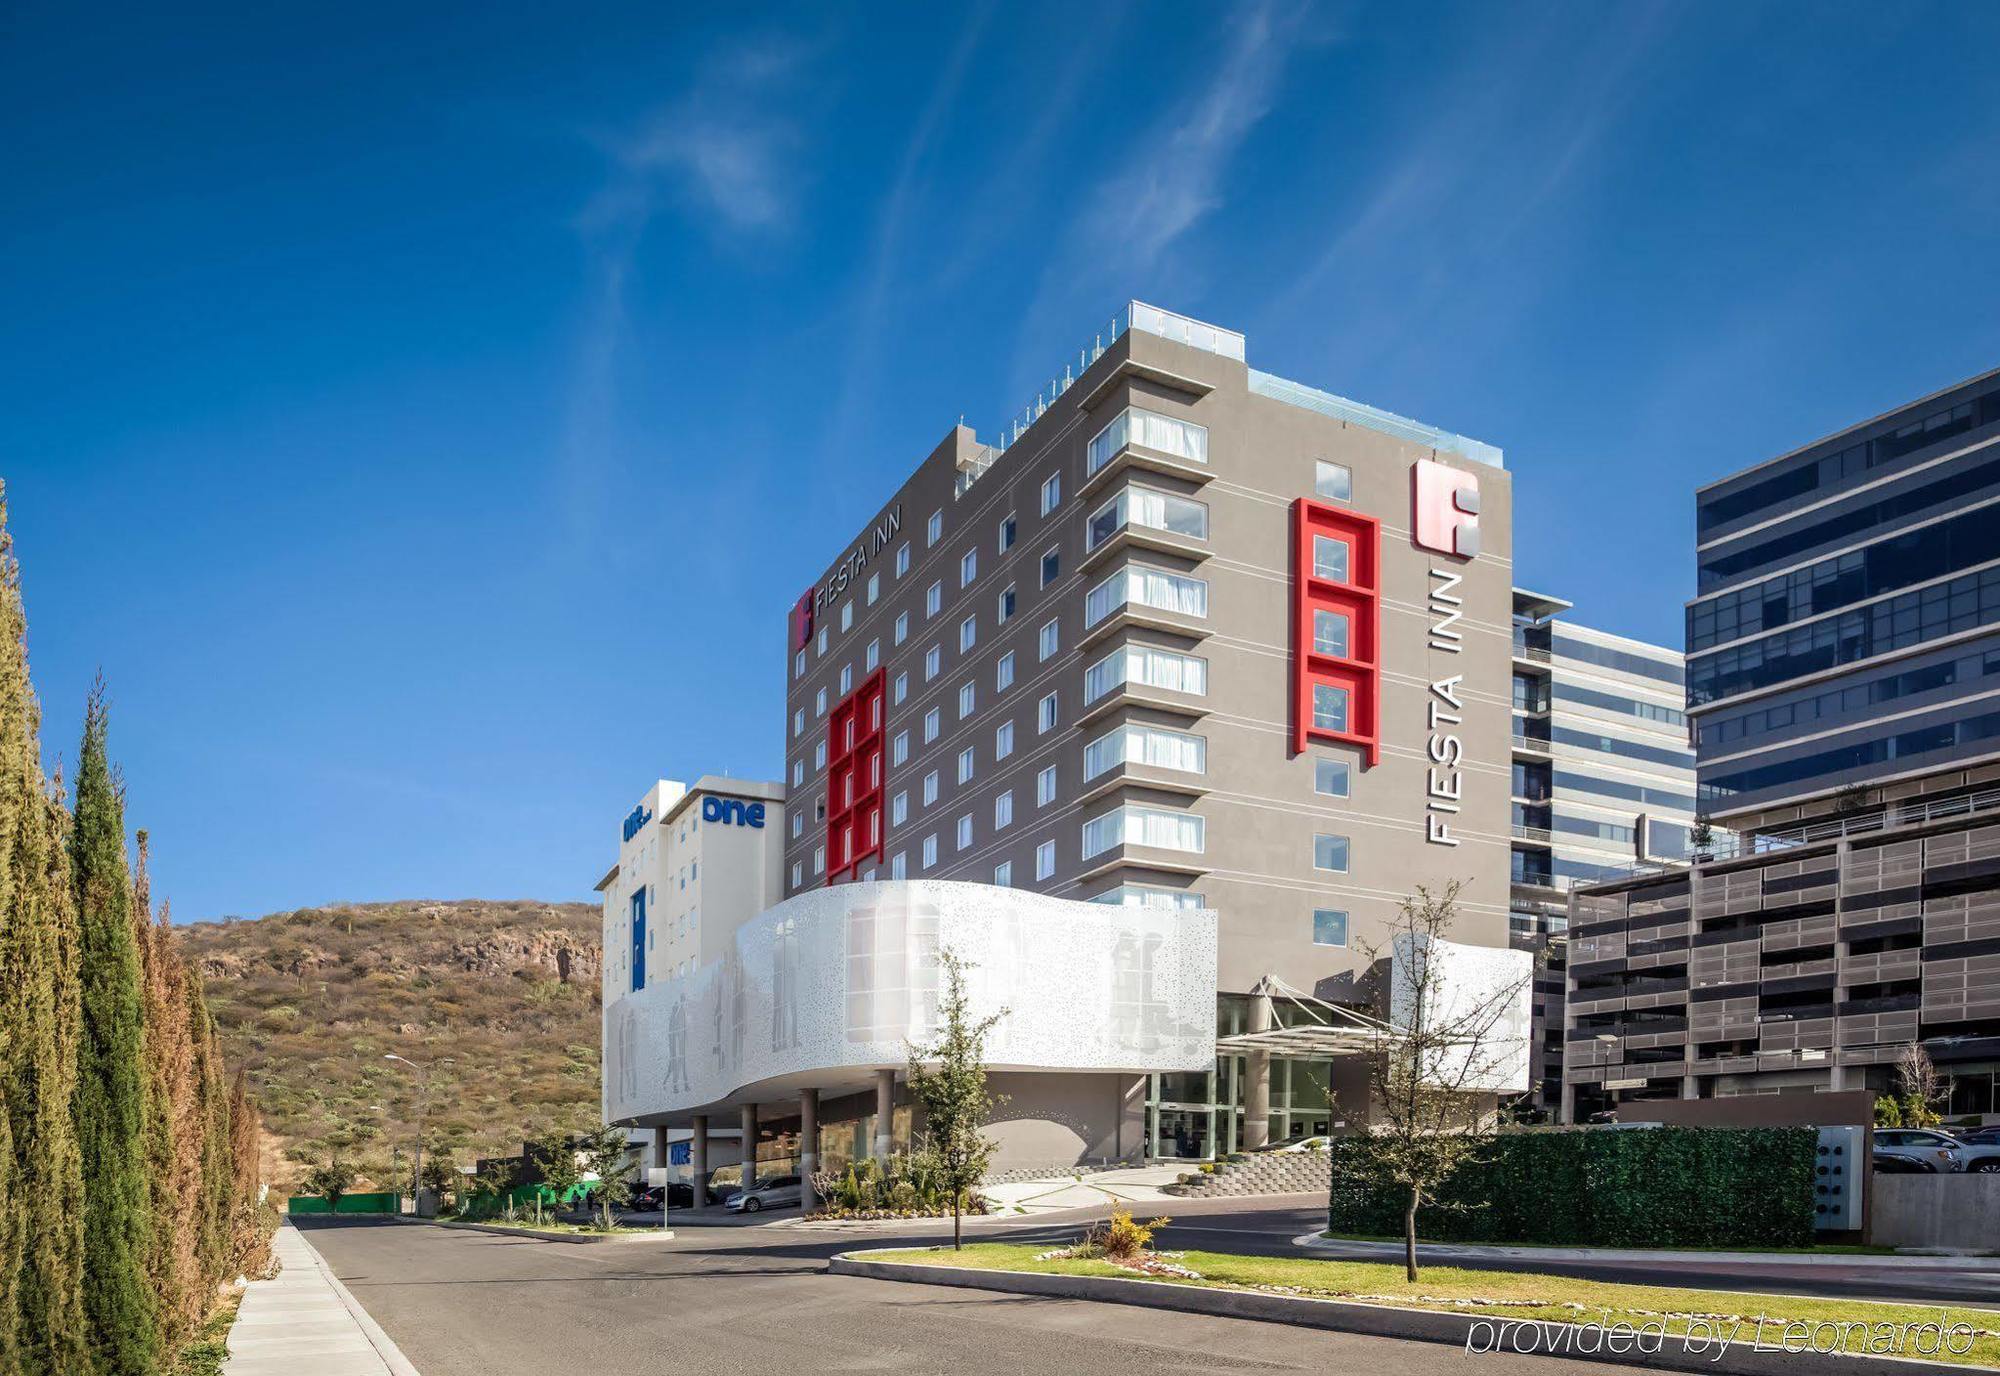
(828, 987)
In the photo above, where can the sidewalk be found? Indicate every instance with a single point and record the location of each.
(302, 1322)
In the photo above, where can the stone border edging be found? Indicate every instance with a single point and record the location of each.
(1473, 1251)
(502, 1230)
(1372, 1320)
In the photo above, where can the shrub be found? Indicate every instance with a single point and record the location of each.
(1119, 1238)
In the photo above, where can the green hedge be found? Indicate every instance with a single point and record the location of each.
(1640, 1187)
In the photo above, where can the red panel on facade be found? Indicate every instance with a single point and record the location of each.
(854, 778)
(1336, 627)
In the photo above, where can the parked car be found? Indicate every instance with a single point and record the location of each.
(1988, 1136)
(1981, 1156)
(679, 1195)
(1889, 1163)
(1937, 1150)
(777, 1193)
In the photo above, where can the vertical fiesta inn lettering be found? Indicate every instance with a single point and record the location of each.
(1447, 509)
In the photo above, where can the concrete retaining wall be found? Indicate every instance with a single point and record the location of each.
(1959, 1212)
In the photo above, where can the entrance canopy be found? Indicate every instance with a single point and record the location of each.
(1331, 1031)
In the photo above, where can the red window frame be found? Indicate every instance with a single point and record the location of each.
(856, 776)
(1359, 598)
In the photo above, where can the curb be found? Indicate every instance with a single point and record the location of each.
(1530, 1337)
(575, 1239)
(1468, 1251)
(385, 1346)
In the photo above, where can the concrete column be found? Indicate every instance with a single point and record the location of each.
(808, 1148)
(885, 1112)
(1566, 1114)
(698, 1159)
(748, 1145)
(661, 1151)
(1257, 1072)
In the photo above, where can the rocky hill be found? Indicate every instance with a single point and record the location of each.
(310, 1002)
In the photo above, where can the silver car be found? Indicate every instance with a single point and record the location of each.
(779, 1192)
(1940, 1152)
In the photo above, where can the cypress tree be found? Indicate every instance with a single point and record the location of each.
(39, 1014)
(159, 1129)
(10, 1242)
(110, 1087)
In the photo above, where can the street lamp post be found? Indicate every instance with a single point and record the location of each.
(423, 1117)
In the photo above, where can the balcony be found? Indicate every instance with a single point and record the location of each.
(1530, 745)
(1141, 518)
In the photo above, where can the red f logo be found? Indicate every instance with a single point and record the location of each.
(1447, 509)
(802, 621)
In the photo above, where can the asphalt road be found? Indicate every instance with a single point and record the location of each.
(728, 1300)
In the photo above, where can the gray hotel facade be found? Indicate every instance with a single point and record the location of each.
(1843, 686)
(1178, 643)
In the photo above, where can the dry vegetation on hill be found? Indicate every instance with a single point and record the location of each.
(309, 1002)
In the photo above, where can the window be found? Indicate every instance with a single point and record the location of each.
(903, 560)
(1330, 777)
(901, 688)
(902, 627)
(1148, 587)
(968, 567)
(930, 850)
(1005, 606)
(819, 703)
(1334, 483)
(1045, 787)
(1147, 667)
(899, 749)
(1148, 745)
(965, 701)
(1051, 567)
(1329, 927)
(846, 679)
(1134, 825)
(1330, 853)
(1008, 530)
(798, 874)
(1329, 707)
(1003, 874)
(1330, 558)
(874, 587)
(819, 859)
(798, 772)
(798, 722)
(1136, 425)
(933, 657)
(820, 641)
(933, 599)
(1045, 714)
(1051, 493)
(930, 788)
(899, 809)
(1003, 740)
(1003, 810)
(930, 726)
(1051, 637)
(1003, 673)
(1150, 896)
(968, 633)
(1330, 633)
(899, 865)
(1045, 860)
(799, 664)
(874, 654)
(965, 765)
(934, 531)
(819, 755)
(965, 832)
(798, 824)
(1141, 506)
(847, 614)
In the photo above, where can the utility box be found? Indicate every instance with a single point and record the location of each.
(1840, 1174)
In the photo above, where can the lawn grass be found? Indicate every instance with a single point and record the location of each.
(1498, 1294)
(209, 1349)
(1823, 1249)
(553, 1225)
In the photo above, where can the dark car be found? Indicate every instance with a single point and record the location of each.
(679, 1195)
(1979, 1137)
(1891, 1164)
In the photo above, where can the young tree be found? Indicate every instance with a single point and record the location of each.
(1430, 1081)
(110, 1092)
(607, 1155)
(1918, 1086)
(948, 1077)
(41, 1250)
(330, 1180)
(555, 1154)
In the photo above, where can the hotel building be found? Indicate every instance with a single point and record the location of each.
(1843, 682)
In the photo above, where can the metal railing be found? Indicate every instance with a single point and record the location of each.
(1533, 744)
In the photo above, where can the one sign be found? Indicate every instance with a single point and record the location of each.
(732, 812)
(640, 815)
(1446, 501)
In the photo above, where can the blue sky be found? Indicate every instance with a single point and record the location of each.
(425, 415)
